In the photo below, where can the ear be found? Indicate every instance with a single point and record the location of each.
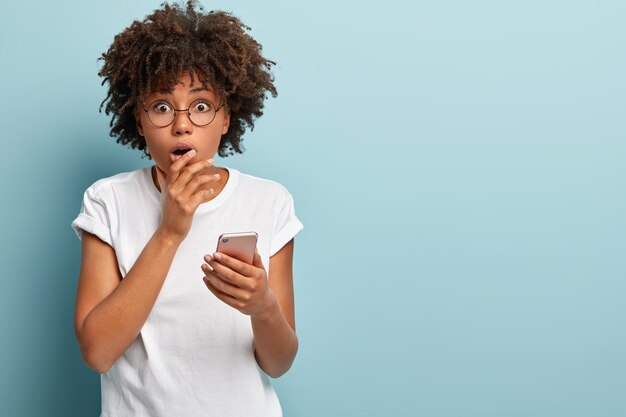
(139, 126)
(226, 121)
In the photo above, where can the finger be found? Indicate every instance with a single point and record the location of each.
(191, 171)
(201, 196)
(198, 182)
(257, 261)
(235, 264)
(174, 170)
(231, 301)
(230, 276)
(226, 287)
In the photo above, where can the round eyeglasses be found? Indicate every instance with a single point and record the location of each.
(201, 112)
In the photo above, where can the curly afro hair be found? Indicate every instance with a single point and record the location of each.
(175, 40)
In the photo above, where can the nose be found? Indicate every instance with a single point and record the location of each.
(182, 125)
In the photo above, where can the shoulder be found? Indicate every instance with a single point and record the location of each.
(267, 188)
(115, 184)
(118, 180)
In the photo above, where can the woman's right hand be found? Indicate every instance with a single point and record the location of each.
(182, 192)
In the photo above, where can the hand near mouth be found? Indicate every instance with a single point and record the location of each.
(179, 150)
(182, 192)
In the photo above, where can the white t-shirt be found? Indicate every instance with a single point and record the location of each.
(194, 355)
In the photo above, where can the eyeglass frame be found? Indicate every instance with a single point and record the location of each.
(185, 110)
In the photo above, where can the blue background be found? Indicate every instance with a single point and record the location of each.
(459, 168)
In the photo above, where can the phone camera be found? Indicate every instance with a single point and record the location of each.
(225, 240)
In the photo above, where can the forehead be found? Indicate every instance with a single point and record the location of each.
(184, 85)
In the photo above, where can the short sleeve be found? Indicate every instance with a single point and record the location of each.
(93, 218)
(286, 226)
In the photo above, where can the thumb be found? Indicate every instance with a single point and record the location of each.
(256, 261)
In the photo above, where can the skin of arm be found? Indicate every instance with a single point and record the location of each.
(275, 340)
(110, 311)
(101, 338)
(269, 302)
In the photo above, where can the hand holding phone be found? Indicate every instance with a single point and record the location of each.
(241, 283)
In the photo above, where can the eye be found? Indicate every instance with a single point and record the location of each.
(202, 107)
(161, 107)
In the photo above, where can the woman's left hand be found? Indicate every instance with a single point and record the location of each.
(238, 284)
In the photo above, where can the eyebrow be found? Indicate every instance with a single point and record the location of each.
(195, 90)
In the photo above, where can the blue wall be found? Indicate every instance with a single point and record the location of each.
(459, 168)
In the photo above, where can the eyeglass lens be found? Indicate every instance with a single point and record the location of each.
(201, 112)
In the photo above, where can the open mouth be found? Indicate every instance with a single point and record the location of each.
(179, 150)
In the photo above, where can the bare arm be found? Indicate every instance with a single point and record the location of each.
(275, 340)
(268, 302)
(110, 311)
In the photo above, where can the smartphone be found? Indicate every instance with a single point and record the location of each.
(238, 245)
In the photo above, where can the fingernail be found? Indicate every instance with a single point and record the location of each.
(207, 258)
(217, 176)
(210, 160)
(190, 153)
(217, 256)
